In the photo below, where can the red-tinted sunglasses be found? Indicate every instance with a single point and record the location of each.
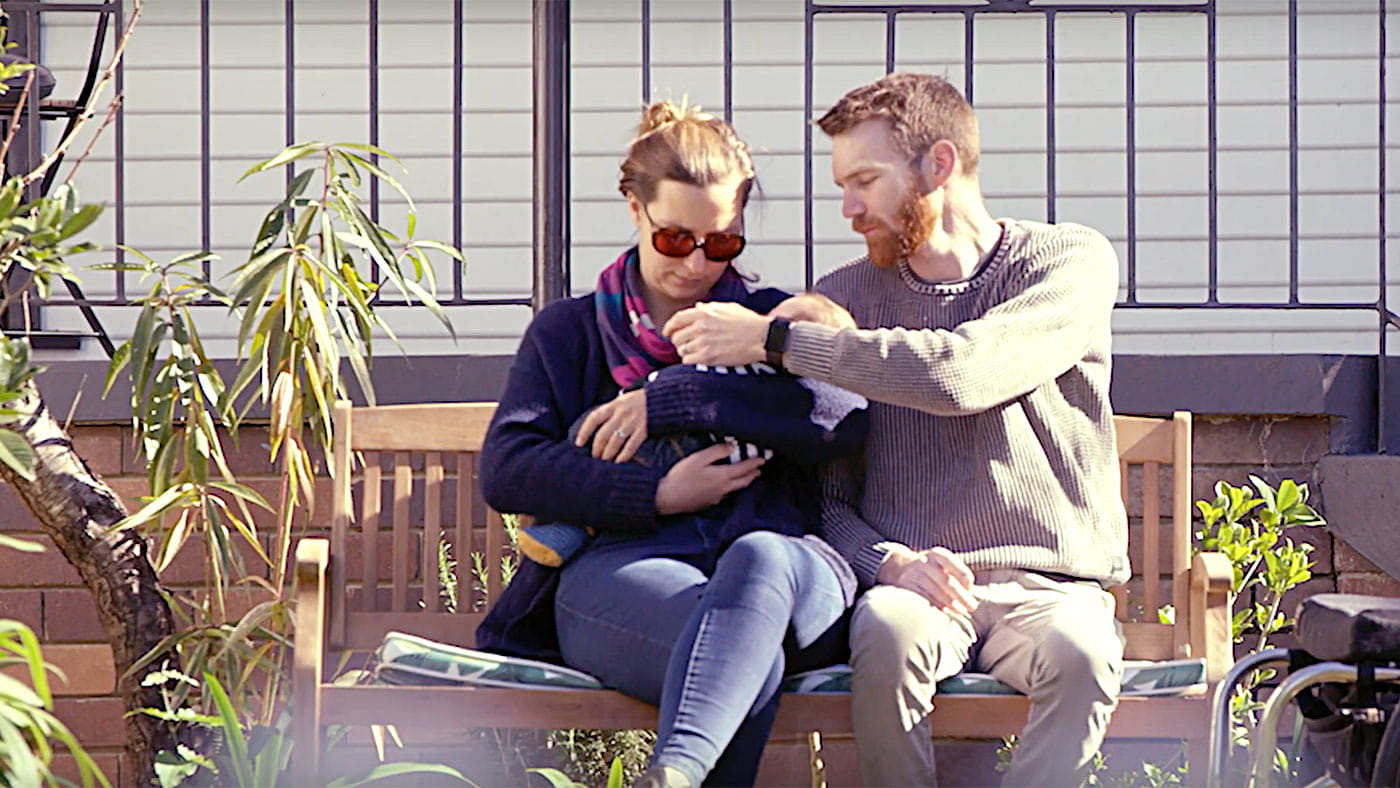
(675, 242)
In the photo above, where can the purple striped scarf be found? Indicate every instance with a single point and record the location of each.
(632, 343)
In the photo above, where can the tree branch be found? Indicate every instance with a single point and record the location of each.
(14, 116)
(108, 74)
(112, 110)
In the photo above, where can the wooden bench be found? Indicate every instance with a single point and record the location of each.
(408, 498)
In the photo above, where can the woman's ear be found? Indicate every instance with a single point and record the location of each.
(635, 207)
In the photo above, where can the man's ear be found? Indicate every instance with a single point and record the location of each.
(938, 164)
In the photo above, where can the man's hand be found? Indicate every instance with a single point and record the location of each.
(941, 577)
(718, 333)
(816, 308)
(617, 428)
(699, 481)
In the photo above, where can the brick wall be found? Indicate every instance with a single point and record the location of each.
(44, 592)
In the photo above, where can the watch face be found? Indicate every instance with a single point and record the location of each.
(777, 339)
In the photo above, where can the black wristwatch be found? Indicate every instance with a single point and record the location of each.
(777, 341)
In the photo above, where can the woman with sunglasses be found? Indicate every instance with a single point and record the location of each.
(703, 586)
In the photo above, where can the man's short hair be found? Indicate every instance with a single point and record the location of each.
(921, 109)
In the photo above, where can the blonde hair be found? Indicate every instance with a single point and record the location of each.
(683, 144)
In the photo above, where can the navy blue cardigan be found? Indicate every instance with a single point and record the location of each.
(529, 466)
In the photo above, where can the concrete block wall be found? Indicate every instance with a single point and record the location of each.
(44, 591)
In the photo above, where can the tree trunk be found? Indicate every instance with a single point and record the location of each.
(76, 509)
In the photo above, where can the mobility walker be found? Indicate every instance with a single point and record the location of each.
(1344, 677)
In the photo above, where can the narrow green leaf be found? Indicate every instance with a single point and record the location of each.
(157, 507)
(289, 154)
(455, 254)
(81, 220)
(22, 545)
(379, 173)
(23, 769)
(556, 778)
(16, 452)
(233, 730)
(369, 149)
(119, 361)
(386, 770)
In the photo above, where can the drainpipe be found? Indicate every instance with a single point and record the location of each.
(551, 152)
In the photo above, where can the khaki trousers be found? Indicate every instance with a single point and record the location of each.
(1057, 642)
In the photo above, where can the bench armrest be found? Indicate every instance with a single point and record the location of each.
(308, 657)
(1212, 576)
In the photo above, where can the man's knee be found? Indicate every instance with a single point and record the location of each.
(1074, 660)
(892, 631)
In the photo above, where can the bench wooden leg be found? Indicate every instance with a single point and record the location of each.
(1197, 761)
(814, 759)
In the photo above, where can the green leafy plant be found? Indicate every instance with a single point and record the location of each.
(558, 779)
(259, 758)
(28, 728)
(307, 300)
(305, 303)
(1248, 526)
(175, 414)
(36, 238)
(591, 756)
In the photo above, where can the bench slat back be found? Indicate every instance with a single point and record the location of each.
(405, 482)
(1145, 445)
(413, 469)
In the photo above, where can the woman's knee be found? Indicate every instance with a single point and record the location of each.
(757, 554)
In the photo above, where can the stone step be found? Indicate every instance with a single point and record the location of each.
(1361, 501)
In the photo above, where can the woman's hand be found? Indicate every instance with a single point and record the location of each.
(617, 428)
(698, 481)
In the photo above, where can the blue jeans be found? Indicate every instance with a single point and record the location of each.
(707, 640)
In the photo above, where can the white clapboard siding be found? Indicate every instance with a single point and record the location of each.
(1338, 87)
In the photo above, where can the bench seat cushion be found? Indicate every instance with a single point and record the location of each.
(410, 660)
(1173, 677)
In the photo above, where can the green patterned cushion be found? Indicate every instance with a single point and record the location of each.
(1174, 677)
(407, 659)
(411, 660)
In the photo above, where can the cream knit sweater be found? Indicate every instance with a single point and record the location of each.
(991, 430)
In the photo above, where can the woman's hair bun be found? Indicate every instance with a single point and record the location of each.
(660, 113)
(681, 143)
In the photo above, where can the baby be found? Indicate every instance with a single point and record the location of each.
(810, 404)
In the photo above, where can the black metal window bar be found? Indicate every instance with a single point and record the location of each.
(971, 11)
(119, 291)
(552, 150)
(23, 16)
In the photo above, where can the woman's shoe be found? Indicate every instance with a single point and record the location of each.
(661, 777)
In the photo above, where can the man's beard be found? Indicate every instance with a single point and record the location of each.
(916, 220)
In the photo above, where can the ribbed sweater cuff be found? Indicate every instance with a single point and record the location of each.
(811, 350)
(632, 497)
(868, 559)
(670, 404)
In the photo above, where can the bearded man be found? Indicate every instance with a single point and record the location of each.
(984, 516)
